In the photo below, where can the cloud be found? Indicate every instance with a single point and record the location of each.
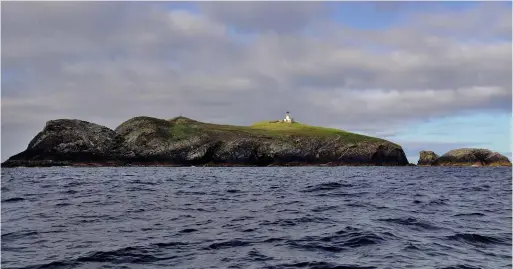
(406, 105)
(279, 17)
(108, 61)
(483, 21)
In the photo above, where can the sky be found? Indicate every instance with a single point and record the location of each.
(426, 75)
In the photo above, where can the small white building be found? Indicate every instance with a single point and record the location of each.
(288, 118)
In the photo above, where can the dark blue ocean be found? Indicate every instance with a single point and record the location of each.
(276, 217)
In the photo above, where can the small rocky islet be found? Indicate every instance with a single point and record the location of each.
(148, 141)
(464, 157)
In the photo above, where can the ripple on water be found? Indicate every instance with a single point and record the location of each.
(461, 266)
(326, 186)
(412, 222)
(348, 238)
(13, 200)
(318, 265)
(478, 239)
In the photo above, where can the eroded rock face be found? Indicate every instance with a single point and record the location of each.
(65, 140)
(473, 157)
(164, 141)
(184, 141)
(427, 157)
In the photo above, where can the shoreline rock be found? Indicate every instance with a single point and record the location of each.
(473, 157)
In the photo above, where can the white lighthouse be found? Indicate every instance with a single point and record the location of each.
(287, 118)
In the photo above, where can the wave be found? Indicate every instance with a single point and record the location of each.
(476, 238)
(190, 193)
(232, 191)
(411, 247)
(274, 239)
(324, 208)
(461, 266)
(296, 221)
(228, 244)
(12, 200)
(327, 186)
(139, 188)
(73, 184)
(412, 222)
(50, 265)
(70, 192)
(18, 235)
(339, 241)
(439, 201)
(124, 255)
(137, 255)
(62, 204)
(318, 265)
(469, 214)
(142, 182)
(481, 188)
(188, 230)
(340, 193)
(132, 255)
(255, 255)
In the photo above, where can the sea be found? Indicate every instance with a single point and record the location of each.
(256, 217)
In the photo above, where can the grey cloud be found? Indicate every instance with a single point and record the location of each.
(487, 20)
(371, 106)
(280, 17)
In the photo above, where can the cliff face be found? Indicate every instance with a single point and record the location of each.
(427, 158)
(64, 141)
(182, 141)
(464, 157)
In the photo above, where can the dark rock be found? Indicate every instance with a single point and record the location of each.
(472, 157)
(65, 141)
(427, 158)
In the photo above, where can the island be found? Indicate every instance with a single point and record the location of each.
(181, 141)
(464, 157)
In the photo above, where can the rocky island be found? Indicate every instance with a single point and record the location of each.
(181, 141)
(464, 157)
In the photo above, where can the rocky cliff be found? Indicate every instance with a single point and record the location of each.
(464, 157)
(427, 157)
(183, 141)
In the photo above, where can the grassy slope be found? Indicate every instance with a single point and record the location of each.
(182, 127)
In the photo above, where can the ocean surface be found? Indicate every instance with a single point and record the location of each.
(275, 217)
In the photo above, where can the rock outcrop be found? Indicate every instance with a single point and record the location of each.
(427, 158)
(464, 157)
(472, 157)
(182, 141)
(67, 141)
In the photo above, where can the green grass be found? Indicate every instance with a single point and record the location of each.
(182, 127)
(301, 129)
(296, 128)
(182, 131)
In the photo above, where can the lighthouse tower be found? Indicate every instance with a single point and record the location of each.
(287, 118)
